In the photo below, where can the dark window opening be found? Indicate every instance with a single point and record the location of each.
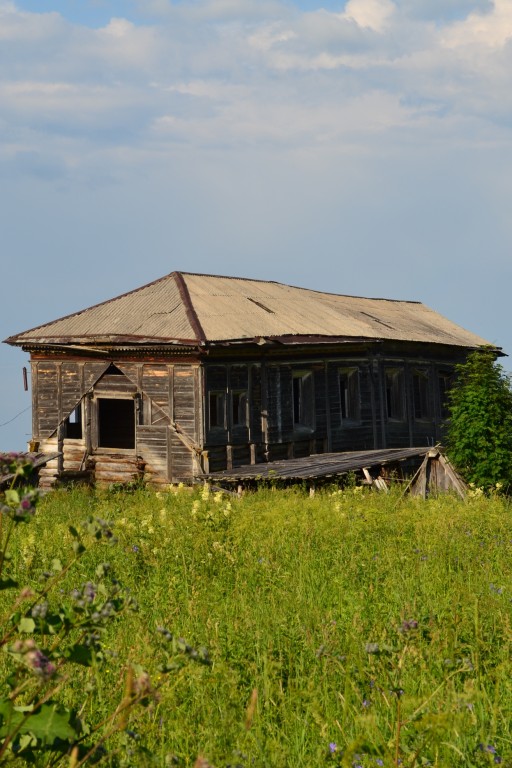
(116, 423)
(217, 410)
(239, 408)
(421, 400)
(395, 394)
(73, 424)
(303, 400)
(113, 370)
(350, 399)
(445, 382)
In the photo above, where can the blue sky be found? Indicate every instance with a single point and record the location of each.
(362, 147)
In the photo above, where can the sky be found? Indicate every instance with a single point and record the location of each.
(360, 147)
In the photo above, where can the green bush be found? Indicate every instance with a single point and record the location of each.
(479, 434)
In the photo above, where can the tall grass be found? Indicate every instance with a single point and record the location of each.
(346, 629)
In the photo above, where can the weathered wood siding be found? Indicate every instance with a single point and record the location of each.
(348, 434)
(173, 427)
(186, 413)
(57, 389)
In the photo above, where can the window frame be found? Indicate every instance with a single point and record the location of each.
(74, 423)
(220, 397)
(349, 395)
(396, 410)
(447, 377)
(303, 404)
(421, 395)
(242, 394)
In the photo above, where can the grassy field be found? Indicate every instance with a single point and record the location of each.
(348, 629)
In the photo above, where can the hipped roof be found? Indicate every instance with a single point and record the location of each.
(196, 309)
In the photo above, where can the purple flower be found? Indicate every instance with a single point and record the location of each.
(407, 626)
(34, 658)
(40, 664)
(89, 592)
(135, 548)
(333, 747)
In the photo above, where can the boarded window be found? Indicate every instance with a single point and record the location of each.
(116, 423)
(217, 410)
(350, 397)
(420, 393)
(395, 394)
(303, 400)
(239, 408)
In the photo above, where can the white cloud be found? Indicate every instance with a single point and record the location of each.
(374, 14)
(206, 78)
(489, 29)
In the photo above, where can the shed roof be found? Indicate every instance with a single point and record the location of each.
(195, 309)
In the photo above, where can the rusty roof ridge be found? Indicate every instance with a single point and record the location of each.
(189, 307)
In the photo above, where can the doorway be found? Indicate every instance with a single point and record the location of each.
(116, 423)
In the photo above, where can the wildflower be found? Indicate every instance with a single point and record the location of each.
(142, 684)
(33, 658)
(366, 703)
(407, 626)
(89, 592)
(333, 747)
(372, 648)
(135, 548)
(40, 664)
(39, 611)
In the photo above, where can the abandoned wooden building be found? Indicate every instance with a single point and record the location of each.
(196, 373)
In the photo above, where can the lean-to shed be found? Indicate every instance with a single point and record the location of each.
(196, 373)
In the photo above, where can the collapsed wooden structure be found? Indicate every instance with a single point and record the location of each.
(195, 374)
(425, 471)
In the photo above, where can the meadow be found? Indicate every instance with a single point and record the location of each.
(347, 629)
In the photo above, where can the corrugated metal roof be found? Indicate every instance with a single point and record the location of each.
(209, 308)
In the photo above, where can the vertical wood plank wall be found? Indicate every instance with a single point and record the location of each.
(173, 398)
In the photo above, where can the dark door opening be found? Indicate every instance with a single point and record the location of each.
(116, 423)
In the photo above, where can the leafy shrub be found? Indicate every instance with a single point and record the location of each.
(479, 435)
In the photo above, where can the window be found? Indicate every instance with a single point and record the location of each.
(217, 410)
(239, 408)
(73, 424)
(444, 381)
(350, 399)
(395, 394)
(420, 395)
(303, 400)
(116, 423)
